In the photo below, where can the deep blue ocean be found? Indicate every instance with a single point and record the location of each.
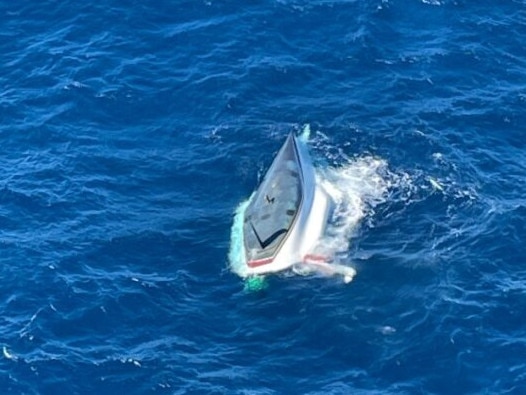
(131, 131)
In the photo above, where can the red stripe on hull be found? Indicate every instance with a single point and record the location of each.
(259, 262)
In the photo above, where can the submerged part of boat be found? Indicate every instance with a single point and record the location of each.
(287, 215)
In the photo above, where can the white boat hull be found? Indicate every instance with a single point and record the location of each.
(307, 228)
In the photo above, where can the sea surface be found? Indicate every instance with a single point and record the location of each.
(131, 132)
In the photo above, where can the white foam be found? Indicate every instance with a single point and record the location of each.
(356, 187)
(236, 253)
(435, 184)
(8, 354)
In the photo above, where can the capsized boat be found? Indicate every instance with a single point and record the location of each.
(287, 215)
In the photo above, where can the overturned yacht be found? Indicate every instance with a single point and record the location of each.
(287, 215)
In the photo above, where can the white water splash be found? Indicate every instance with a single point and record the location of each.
(356, 188)
(305, 134)
(237, 253)
(7, 354)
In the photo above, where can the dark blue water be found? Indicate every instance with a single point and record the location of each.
(131, 131)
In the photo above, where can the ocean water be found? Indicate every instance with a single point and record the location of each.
(132, 131)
